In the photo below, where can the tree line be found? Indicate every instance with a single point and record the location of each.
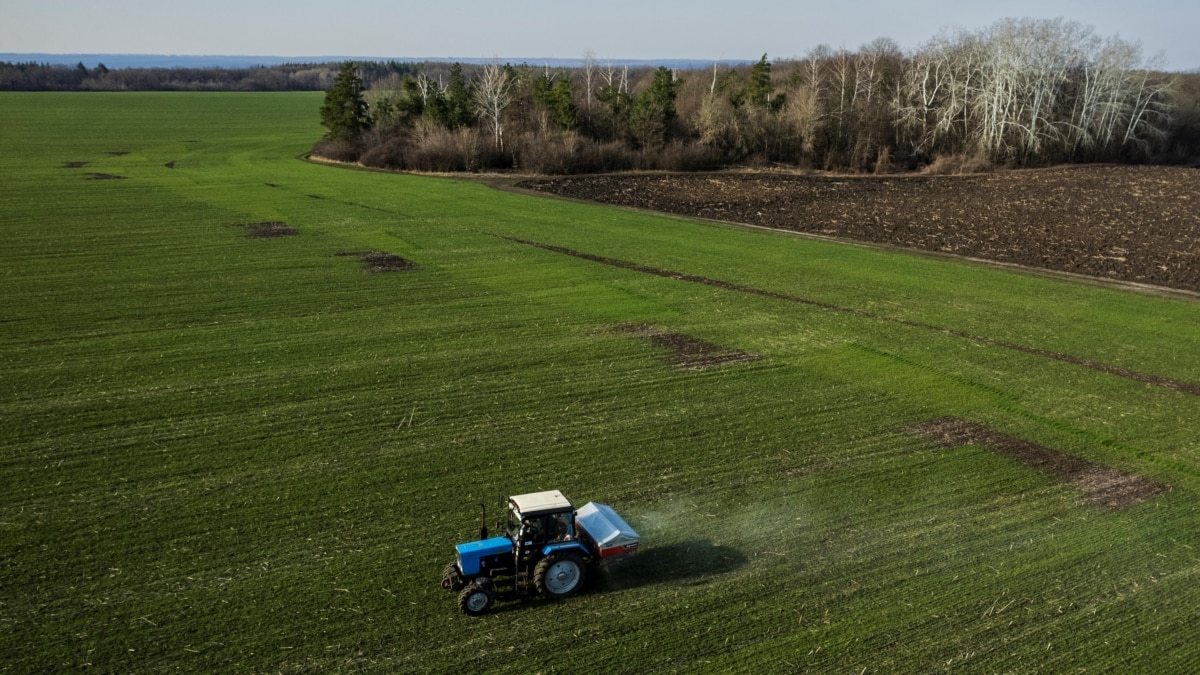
(1021, 92)
(32, 76)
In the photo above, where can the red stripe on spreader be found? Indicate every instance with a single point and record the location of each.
(617, 550)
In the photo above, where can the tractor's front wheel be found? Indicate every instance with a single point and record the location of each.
(559, 575)
(452, 578)
(477, 597)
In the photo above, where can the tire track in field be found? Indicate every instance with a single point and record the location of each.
(1100, 485)
(1191, 388)
(368, 207)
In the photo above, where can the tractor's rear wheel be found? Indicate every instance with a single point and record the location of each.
(452, 578)
(559, 575)
(477, 597)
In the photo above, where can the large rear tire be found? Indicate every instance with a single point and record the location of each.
(477, 598)
(559, 575)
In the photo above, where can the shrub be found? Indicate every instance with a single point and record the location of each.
(687, 156)
(560, 153)
(439, 151)
(957, 164)
(339, 150)
(596, 157)
(391, 153)
(883, 161)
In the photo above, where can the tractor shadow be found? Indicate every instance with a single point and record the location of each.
(688, 563)
(691, 563)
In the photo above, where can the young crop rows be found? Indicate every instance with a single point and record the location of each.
(251, 403)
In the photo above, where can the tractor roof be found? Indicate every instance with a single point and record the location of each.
(536, 502)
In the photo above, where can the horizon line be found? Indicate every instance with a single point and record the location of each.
(327, 58)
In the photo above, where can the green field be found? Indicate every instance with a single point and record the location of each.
(247, 454)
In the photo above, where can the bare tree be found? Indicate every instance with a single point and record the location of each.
(844, 72)
(919, 95)
(609, 74)
(493, 93)
(814, 66)
(425, 86)
(1032, 90)
(589, 76)
(871, 58)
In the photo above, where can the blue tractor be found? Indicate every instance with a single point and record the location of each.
(548, 548)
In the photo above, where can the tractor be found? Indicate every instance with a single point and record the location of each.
(548, 548)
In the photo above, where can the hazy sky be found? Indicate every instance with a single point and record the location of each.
(700, 29)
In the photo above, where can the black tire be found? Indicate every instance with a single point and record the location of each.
(477, 598)
(559, 575)
(452, 579)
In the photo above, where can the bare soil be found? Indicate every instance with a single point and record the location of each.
(1100, 485)
(74, 165)
(1131, 223)
(268, 229)
(378, 262)
(687, 352)
(104, 176)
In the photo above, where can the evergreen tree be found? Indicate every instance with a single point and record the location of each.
(558, 100)
(435, 108)
(618, 102)
(411, 104)
(344, 113)
(459, 110)
(653, 115)
(758, 89)
(662, 92)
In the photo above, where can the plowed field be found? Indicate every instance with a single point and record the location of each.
(1139, 224)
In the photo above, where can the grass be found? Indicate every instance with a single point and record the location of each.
(235, 454)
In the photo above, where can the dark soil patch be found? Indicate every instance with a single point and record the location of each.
(687, 352)
(1147, 378)
(117, 153)
(1100, 485)
(74, 165)
(104, 176)
(272, 185)
(268, 229)
(316, 197)
(378, 262)
(170, 165)
(1131, 223)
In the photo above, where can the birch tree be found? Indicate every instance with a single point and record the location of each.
(590, 73)
(493, 93)
(1032, 90)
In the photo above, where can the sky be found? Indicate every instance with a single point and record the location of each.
(615, 29)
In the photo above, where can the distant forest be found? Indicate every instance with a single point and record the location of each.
(1019, 93)
(57, 77)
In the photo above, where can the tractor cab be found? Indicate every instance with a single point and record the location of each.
(538, 519)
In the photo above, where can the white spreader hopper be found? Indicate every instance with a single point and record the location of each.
(611, 535)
